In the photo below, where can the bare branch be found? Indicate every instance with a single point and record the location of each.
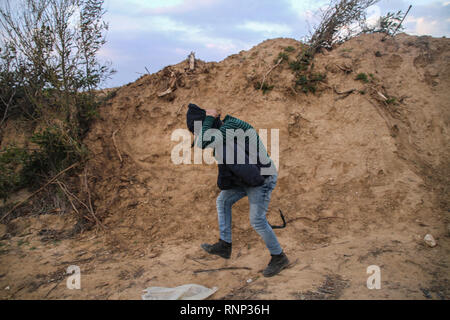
(337, 22)
(270, 70)
(39, 190)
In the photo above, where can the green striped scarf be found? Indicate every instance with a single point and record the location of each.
(234, 124)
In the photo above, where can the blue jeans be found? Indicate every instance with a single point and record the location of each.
(259, 198)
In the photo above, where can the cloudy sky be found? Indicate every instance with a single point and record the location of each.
(155, 33)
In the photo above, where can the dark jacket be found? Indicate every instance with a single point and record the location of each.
(231, 174)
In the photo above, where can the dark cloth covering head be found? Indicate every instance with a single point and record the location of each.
(195, 113)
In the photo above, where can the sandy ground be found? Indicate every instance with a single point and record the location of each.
(361, 182)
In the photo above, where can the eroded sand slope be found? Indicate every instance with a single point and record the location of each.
(363, 177)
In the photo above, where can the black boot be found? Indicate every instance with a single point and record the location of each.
(276, 264)
(221, 248)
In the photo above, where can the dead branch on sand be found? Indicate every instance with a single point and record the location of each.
(54, 287)
(220, 269)
(193, 259)
(179, 109)
(344, 93)
(91, 210)
(115, 145)
(39, 190)
(71, 196)
(314, 220)
(273, 67)
(345, 68)
(382, 96)
(191, 61)
(172, 85)
(395, 31)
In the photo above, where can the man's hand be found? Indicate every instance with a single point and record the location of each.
(211, 112)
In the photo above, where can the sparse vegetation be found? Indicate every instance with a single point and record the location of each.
(297, 66)
(302, 62)
(283, 56)
(362, 77)
(341, 20)
(303, 67)
(21, 167)
(11, 161)
(57, 150)
(388, 24)
(391, 100)
(22, 242)
(50, 63)
(265, 87)
(49, 71)
(308, 82)
(289, 49)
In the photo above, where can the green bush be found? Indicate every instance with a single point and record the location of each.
(302, 62)
(87, 105)
(20, 167)
(389, 24)
(306, 56)
(57, 151)
(297, 65)
(283, 56)
(308, 82)
(11, 163)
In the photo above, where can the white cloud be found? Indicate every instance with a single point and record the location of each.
(179, 6)
(299, 6)
(373, 15)
(302, 6)
(196, 35)
(128, 23)
(425, 26)
(136, 5)
(225, 47)
(181, 51)
(109, 54)
(267, 28)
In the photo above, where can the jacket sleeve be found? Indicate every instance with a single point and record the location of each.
(249, 173)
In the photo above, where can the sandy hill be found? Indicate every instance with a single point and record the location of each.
(363, 177)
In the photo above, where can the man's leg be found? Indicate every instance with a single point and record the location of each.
(224, 202)
(259, 198)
